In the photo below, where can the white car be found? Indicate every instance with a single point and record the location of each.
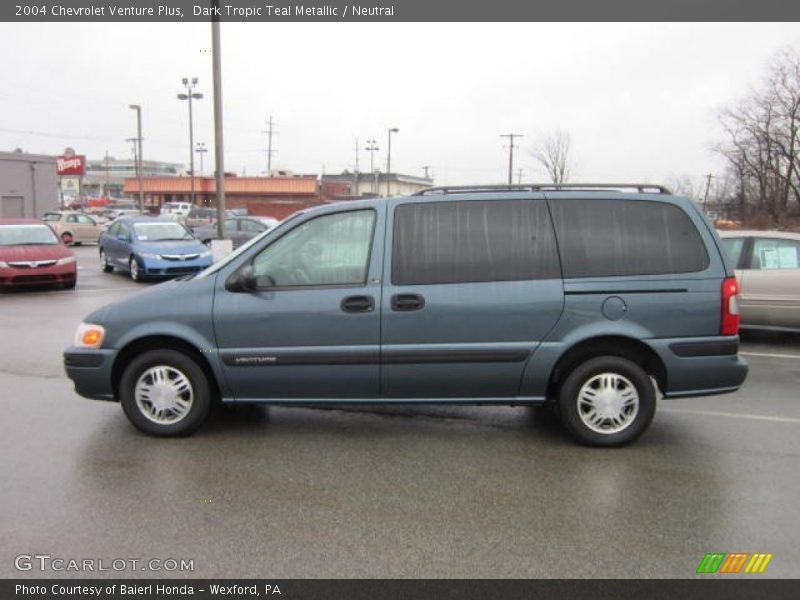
(767, 267)
(177, 211)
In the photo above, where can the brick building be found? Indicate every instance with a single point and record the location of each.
(276, 197)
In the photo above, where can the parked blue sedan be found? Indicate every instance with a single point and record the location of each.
(148, 247)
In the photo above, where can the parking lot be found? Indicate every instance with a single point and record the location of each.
(386, 491)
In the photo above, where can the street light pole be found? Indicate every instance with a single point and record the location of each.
(138, 110)
(201, 150)
(372, 148)
(389, 161)
(190, 95)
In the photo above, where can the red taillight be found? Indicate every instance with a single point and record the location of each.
(729, 324)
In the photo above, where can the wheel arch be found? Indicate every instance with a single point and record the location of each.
(632, 349)
(151, 342)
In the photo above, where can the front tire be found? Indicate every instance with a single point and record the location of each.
(67, 238)
(165, 393)
(607, 401)
(133, 267)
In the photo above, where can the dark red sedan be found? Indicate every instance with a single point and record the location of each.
(32, 255)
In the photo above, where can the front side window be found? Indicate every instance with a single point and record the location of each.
(607, 238)
(328, 250)
(774, 253)
(473, 241)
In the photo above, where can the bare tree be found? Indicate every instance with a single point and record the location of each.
(762, 144)
(552, 152)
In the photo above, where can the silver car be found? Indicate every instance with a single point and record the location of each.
(768, 269)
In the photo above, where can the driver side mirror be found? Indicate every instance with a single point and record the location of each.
(243, 280)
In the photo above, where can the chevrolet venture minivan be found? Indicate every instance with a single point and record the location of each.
(588, 299)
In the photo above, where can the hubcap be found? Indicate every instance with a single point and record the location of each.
(103, 260)
(608, 403)
(134, 269)
(164, 395)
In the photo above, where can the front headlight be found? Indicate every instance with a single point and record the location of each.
(149, 255)
(205, 254)
(67, 260)
(3, 265)
(89, 335)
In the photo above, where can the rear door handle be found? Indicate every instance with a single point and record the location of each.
(407, 302)
(358, 304)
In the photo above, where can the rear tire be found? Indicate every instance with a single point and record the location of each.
(165, 393)
(67, 238)
(607, 401)
(104, 265)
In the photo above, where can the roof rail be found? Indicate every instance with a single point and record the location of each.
(640, 188)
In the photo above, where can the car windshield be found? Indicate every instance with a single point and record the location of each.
(159, 232)
(27, 235)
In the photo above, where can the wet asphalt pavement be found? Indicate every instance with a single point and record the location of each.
(385, 491)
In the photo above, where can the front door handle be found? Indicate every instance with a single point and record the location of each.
(358, 304)
(407, 302)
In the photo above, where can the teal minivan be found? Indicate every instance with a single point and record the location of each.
(589, 299)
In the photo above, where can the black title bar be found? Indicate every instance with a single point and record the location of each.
(397, 10)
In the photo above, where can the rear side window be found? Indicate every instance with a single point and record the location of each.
(473, 241)
(606, 238)
(733, 248)
(773, 253)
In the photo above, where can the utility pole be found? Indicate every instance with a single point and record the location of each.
(138, 110)
(389, 162)
(705, 196)
(372, 148)
(108, 182)
(511, 137)
(519, 176)
(426, 168)
(218, 145)
(355, 173)
(269, 151)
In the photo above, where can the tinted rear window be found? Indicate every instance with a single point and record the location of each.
(603, 238)
(473, 241)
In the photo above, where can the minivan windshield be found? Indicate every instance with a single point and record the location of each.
(161, 231)
(27, 235)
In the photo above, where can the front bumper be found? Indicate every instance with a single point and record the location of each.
(159, 267)
(41, 276)
(90, 371)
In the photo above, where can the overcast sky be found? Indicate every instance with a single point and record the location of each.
(639, 100)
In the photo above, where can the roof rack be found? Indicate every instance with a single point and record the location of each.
(639, 188)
